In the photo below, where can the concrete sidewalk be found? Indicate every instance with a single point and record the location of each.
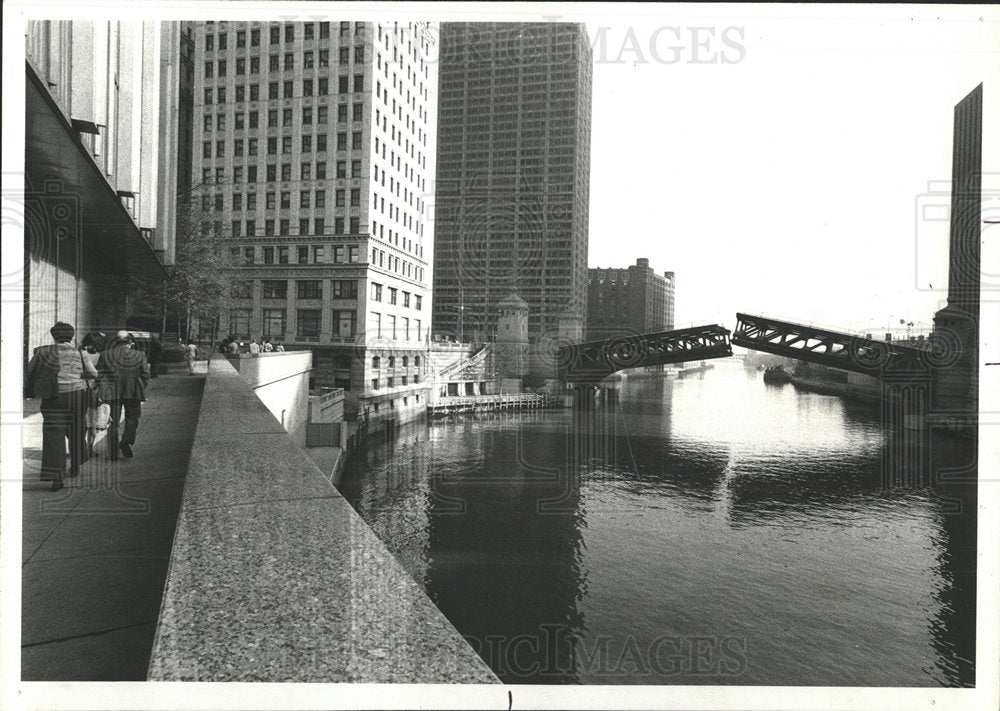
(95, 554)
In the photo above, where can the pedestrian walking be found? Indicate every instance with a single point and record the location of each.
(155, 353)
(190, 354)
(124, 374)
(58, 375)
(90, 348)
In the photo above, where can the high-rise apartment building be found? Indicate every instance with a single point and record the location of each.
(513, 178)
(314, 150)
(635, 299)
(100, 153)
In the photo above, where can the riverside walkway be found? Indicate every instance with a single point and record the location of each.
(95, 554)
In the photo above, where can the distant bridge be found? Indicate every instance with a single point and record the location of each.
(595, 360)
(840, 350)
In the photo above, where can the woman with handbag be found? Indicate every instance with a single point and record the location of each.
(58, 374)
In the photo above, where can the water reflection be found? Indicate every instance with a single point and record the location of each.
(706, 530)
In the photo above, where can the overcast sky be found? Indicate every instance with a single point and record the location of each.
(786, 179)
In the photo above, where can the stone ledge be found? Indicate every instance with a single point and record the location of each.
(278, 579)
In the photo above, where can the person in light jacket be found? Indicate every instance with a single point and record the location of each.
(124, 374)
(58, 375)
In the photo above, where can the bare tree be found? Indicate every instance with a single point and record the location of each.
(197, 283)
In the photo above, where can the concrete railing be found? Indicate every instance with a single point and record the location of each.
(274, 577)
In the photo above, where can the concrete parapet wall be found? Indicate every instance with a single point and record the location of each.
(274, 577)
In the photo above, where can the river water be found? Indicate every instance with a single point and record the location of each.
(709, 529)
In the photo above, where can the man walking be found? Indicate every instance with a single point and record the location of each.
(124, 374)
(190, 354)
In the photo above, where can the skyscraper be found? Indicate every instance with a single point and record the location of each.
(513, 179)
(314, 148)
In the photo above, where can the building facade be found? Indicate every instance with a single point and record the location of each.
(513, 176)
(100, 151)
(314, 149)
(636, 299)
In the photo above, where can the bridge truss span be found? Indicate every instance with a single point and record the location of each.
(598, 359)
(859, 354)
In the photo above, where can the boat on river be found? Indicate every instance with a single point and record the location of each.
(777, 374)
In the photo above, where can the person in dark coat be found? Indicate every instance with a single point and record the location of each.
(58, 375)
(155, 350)
(124, 374)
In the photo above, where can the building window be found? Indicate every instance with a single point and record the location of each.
(376, 362)
(239, 323)
(345, 289)
(282, 255)
(318, 254)
(376, 292)
(319, 226)
(359, 81)
(320, 198)
(308, 323)
(406, 299)
(286, 171)
(392, 326)
(303, 254)
(355, 197)
(356, 140)
(392, 295)
(274, 323)
(343, 83)
(268, 255)
(343, 324)
(248, 255)
(303, 225)
(286, 200)
(274, 289)
(311, 289)
(377, 322)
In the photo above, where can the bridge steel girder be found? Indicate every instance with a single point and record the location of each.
(595, 360)
(857, 354)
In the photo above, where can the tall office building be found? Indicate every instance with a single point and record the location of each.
(513, 180)
(101, 141)
(635, 299)
(314, 149)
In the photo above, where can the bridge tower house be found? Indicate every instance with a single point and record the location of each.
(511, 348)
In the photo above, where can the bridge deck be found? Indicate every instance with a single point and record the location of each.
(858, 354)
(598, 359)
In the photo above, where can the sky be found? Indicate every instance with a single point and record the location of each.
(787, 177)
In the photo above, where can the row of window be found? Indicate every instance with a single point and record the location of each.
(310, 60)
(271, 175)
(394, 263)
(377, 362)
(251, 119)
(304, 288)
(310, 30)
(274, 228)
(308, 323)
(393, 296)
(251, 145)
(394, 328)
(285, 89)
(283, 200)
(305, 254)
